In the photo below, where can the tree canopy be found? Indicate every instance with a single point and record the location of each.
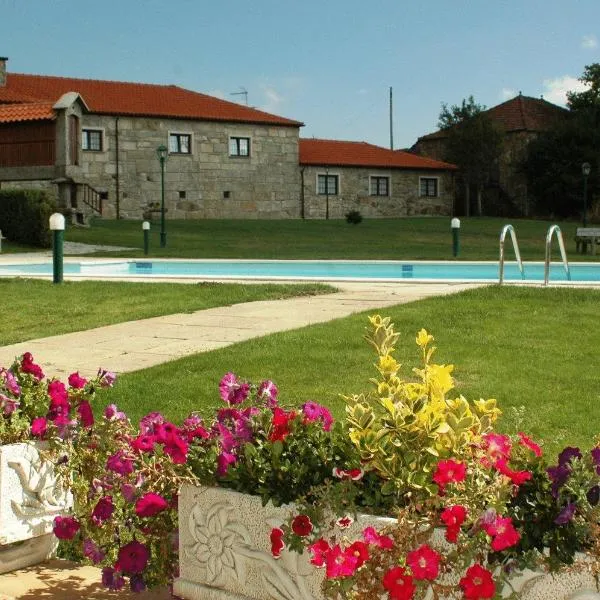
(473, 144)
(553, 166)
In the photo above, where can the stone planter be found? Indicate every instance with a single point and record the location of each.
(30, 498)
(224, 553)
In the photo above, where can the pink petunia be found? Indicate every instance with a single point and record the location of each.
(76, 381)
(65, 528)
(340, 563)
(132, 558)
(371, 536)
(320, 549)
(530, 444)
(86, 415)
(39, 426)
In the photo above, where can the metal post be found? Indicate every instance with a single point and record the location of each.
(146, 228)
(455, 225)
(163, 233)
(57, 226)
(585, 200)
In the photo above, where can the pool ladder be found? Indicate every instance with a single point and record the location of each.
(553, 230)
(513, 236)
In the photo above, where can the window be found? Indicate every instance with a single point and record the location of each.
(182, 194)
(328, 185)
(380, 186)
(91, 139)
(180, 143)
(239, 146)
(428, 186)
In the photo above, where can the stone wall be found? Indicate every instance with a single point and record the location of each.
(354, 193)
(207, 183)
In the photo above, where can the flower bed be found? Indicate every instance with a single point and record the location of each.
(414, 494)
(226, 554)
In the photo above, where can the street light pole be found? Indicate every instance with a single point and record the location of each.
(585, 170)
(162, 152)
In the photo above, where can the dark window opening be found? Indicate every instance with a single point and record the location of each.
(180, 143)
(328, 185)
(91, 140)
(239, 146)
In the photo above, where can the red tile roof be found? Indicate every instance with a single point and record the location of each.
(360, 154)
(135, 99)
(522, 113)
(42, 111)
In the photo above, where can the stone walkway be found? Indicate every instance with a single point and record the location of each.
(139, 344)
(136, 345)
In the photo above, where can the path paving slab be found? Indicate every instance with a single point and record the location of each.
(135, 345)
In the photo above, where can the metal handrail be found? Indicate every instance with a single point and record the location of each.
(552, 230)
(513, 236)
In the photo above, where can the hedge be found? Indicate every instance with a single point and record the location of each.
(24, 216)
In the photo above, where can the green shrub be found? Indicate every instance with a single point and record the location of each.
(24, 216)
(354, 217)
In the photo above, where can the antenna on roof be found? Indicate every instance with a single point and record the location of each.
(244, 93)
(391, 122)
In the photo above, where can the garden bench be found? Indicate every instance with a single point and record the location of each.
(585, 236)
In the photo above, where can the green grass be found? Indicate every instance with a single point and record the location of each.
(33, 308)
(530, 347)
(409, 238)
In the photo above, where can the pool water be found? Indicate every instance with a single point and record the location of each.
(309, 270)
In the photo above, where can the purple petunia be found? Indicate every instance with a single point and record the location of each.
(566, 514)
(558, 475)
(232, 390)
(568, 454)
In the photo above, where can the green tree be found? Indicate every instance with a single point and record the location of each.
(554, 158)
(474, 144)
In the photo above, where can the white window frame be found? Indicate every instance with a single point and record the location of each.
(239, 137)
(437, 187)
(389, 185)
(328, 174)
(103, 140)
(175, 153)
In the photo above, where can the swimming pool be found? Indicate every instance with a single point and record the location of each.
(325, 270)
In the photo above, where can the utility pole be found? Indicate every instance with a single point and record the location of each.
(391, 122)
(244, 92)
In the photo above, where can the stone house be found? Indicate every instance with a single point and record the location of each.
(520, 120)
(339, 176)
(94, 144)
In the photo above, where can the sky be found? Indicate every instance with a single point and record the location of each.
(327, 63)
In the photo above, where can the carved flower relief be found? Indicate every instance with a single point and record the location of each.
(217, 540)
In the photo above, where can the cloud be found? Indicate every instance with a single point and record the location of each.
(589, 41)
(555, 90)
(273, 99)
(507, 93)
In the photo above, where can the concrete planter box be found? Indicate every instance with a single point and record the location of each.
(225, 554)
(30, 498)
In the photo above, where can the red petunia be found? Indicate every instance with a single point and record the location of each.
(449, 471)
(424, 562)
(453, 517)
(301, 525)
(281, 424)
(529, 443)
(277, 544)
(399, 584)
(360, 550)
(503, 533)
(85, 413)
(478, 584)
(65, 528)
(132, 558)
(517, 477)
(150, 504)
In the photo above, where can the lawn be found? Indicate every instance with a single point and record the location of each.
(33, 308)
(410, 238)
(528, 347)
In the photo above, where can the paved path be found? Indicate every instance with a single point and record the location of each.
(139, 344)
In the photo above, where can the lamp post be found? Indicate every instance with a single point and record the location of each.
(162, 154)
(146, 230)
(585, 171)
(455, 226)
(57, 226)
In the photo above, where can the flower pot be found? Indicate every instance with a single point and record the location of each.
(224, 554)
(30, 498)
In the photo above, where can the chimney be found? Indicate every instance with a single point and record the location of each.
(3, 60)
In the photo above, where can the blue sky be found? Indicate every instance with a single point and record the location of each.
(328, 63)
